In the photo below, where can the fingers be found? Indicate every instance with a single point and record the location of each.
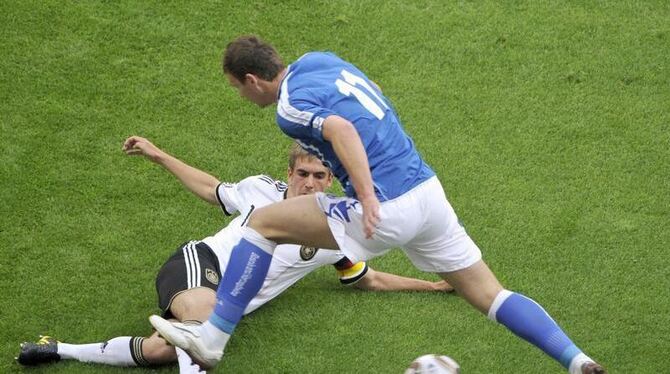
(138, 146)
(131, 147)
(445, 286)
(129, 143)
(134, 152)
(369, 231)
(132, 142)
(371, 217)
(371, 223)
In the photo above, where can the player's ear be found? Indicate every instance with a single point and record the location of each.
(289, 172)
(251, 79)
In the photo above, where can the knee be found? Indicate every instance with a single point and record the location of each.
(198, 309)
(258, 222)
(267, 227)
(194, 305)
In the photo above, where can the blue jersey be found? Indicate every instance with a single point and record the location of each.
(321, 84)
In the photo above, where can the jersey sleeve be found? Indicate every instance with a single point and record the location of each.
(256, 191)
(300, 115)
(349, 272)
(229, 197)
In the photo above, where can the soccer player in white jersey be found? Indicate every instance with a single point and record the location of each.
(393, 199)
(187, 282)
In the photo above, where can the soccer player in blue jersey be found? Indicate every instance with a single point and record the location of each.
(393, 200)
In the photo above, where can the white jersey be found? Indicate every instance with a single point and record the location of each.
(290, 262)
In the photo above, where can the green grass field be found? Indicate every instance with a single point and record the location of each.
(547, 122)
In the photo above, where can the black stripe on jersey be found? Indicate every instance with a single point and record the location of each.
(266, 179)
(218, 198)
(279, 185)
(248, 214)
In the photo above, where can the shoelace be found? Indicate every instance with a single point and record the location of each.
(46, 340)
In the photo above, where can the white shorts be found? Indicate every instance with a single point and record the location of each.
(421, 221)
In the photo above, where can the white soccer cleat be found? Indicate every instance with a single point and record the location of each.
(188, 338)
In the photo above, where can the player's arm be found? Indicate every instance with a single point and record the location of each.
(379, 281)
(197, 181)
(349, 148)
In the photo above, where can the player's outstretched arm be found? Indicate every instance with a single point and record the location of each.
(350, 151)
(197, 181)
(380, 281)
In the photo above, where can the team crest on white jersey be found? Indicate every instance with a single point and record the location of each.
(307, 253)
(212, 276)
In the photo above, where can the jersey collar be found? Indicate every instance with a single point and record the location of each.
(281, 83)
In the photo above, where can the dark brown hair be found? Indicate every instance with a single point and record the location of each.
(250, 55)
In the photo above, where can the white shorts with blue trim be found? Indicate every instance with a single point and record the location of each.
(421, 221)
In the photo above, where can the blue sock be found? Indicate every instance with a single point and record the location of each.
(528, 320)
(242, 279)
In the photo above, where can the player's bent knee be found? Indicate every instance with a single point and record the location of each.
(476, 284)
(195, 304)
(297, 219)
(268, 228)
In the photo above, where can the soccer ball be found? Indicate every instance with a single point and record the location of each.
(433, 364)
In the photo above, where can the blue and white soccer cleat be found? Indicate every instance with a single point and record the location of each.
(188, 338)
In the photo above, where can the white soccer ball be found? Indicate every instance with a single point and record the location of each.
(433, 364)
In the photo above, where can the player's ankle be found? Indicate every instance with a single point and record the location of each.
(577, 362)
(213, 336)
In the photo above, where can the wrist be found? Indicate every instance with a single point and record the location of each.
(159, 157)
(366, 195)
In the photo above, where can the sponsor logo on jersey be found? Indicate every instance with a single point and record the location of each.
(307, 253)
(212, 276)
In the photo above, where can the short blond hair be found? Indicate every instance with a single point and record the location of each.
(297, 151)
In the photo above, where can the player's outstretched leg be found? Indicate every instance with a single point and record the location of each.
(521, 315)
(528, 320)
(120, 351)
(242, 279)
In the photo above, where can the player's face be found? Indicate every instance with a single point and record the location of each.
(251, 89)
(308, 176)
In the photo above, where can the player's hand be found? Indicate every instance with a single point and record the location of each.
(139, 146)
(371, 216)
(443, 286)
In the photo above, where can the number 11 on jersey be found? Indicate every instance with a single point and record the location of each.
(348, 87)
